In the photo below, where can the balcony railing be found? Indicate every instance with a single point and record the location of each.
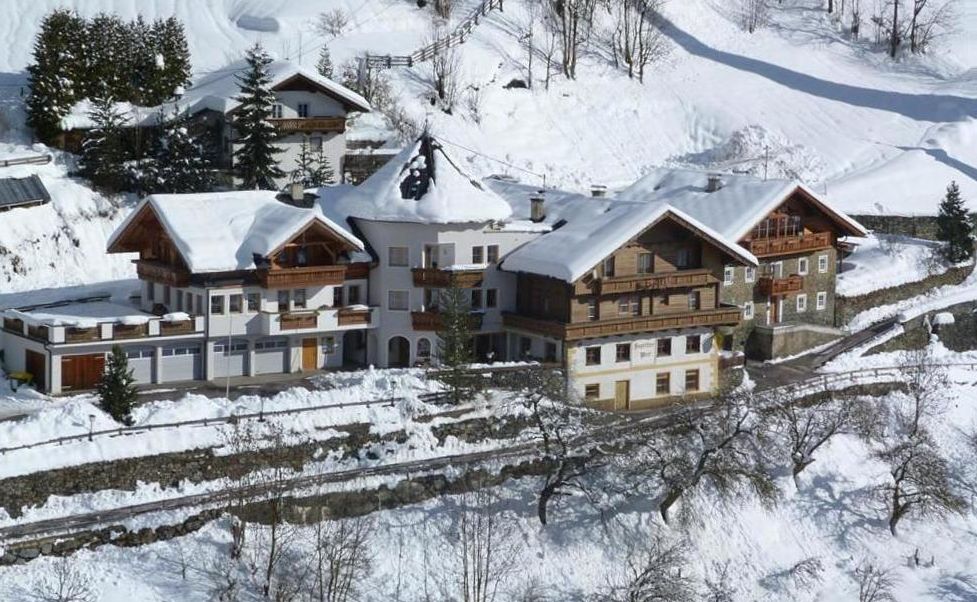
(778, 287)
(353, 317)
(82, 335)
(310, 124)
(298, 321)
(638, 282)
(178, 327)
(784, 245)
(602, 328)
(14, 324)
(162, 273)
(327, 275)
(431, 320)
(357, 271)
(438, 278)
(130, 331)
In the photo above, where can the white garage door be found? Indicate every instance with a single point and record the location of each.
(231, 361)
(270, 356)
(141, 363)
(181, 362)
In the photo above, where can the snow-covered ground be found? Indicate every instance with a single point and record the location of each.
(882, 261)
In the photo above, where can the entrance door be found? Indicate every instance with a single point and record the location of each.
(34, 363)
(398, 353)
(310, 354)
(80, 372)
(622, 395)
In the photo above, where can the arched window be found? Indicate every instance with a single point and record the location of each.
(423, 349)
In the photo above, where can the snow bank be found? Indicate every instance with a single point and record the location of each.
(882, 261)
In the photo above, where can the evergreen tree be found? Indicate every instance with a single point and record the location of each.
(324, 64)
(173, 70)
(954, 227)
(103, 153)
(312, 168)
(323, 174)
(108, 49)
(117, 390)
(455, 344)
(142, 63)
(179, 163)
(254, 160)
(56, 76)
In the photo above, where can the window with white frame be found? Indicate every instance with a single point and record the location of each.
(729, 275)
(398, 256)
(748, 310)
(328, 345)
(801, 303)
(315, 143)
(750, 273)
(822, 301)
(823, 264)
(398, 300)
(478, 254)
(802, 266)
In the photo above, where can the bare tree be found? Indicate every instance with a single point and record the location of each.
(342, 559)
(446, 72)
(443, 8)
(549, 47)
(718, 588)
(571, 20)
(754, 13)
(528, 32)
(637, 36)
(927, 20)
(486, 552)
(874, 584)
(894, 35)
(63, 583)
(654, 574)
(333, 23)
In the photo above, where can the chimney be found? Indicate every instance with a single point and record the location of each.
(537, 207)
(297, 192)
(714, 182)
(598, 191)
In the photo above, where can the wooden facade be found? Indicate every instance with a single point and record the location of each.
(438, 278)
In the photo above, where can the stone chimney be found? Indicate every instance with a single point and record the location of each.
(714, 182)
(598, 191)
(537, 207)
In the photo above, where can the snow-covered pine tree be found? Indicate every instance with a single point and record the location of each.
(117, 390)
(455, 344)
(108, 50)
(103, 151)
(323, 174)
(180, 163)
(954, 226)
(142, 62)
(324, 64)
(56, 75)
(173, 59)
(304, 164)
(254, 160)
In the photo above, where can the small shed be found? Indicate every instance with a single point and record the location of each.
(22, 192)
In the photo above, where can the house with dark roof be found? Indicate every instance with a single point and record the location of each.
(22, 192)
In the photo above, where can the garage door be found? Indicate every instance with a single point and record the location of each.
(81, 372)
(232, 360)
(181, 362)
(141, 363)
(270, 356)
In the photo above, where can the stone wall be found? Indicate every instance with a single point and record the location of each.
(959, 336)
(915, 226)
(847, 308)
(768, 342)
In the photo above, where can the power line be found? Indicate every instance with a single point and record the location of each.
(496, 159)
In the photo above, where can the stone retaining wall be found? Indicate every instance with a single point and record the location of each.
(959, 336)
(847, 308)
(916, 226)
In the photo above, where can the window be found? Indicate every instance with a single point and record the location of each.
(353, 294)
(303, 109)
(695, 300)
(525, 346)
(663, 383)
(337, 296)
(691, 381)
(491, 297)
(683, 259)
(235, 305)
(591, 392)
(282, 301)
(150, 291)
(398, 300)
(328, 345)
(398, 257)
(729, 275)
(822, 263)
(750, 273)
(298, 298)
(217, 304)
(549, 352)
(822, 301)
(645, 263)
(623, 352)
(592, 309)
(166, 295)
(476, 298)
(802, 266)
(777, 268)
(315, 144)
(609, 267)
(629, 305)
(254, 302)
(478, 254)
(200, 304)
(801, 303)
(493, 254)
(593, 356)
(179, 301)
(748, 310)
(189, 303)
(276, 111)
(664, 347)
(423, 349)
(693, 344)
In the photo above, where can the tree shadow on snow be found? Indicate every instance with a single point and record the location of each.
(958, 587)
(851, 512)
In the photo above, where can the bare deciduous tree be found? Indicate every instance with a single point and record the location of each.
(754, 14)
(63, 583)
(571, 21)
(333, 23)
(655, 574)
(446, 73)
(486, 552)
(342, 559)
(443, 8)
(874, 584)
(637, 36)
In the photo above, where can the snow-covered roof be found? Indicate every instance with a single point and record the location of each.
(216, 91)
(424, 183)
(222, 232)
(81, 315)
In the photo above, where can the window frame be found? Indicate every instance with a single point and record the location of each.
(661, 377)
(695, 300)
(748, 310)
(390, 298)
(218, 309)
(691, 348)
(800, 304)
(823, 259)
(729, 275)
(609, 267)
(235, 299)
(284, 300)
(821, 301)
(302, 109)
(646, 262)
(478, 254)
(620, 357)
(475, 299)
(277, 110)
(491, 298)
(588, 352)
(591, 392)
(698, 380)
(390, 256)
(492, 253)
(353, 294)
(663, 347)
(297, 294)
(803, 266)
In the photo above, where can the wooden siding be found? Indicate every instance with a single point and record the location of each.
(79, 372)
(353, 317)
(785, 245)
(330, 275)
(777, 287)
(296, 321)
(310, 125)
(163, 273)
(438, 278)
(571, 332)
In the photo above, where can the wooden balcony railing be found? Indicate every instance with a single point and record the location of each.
(82, 335)
(353, 317)
(326, 275)
(14, 324)
(298, 321)
(162, 273)
(778, 287)
(38, 332)
(129, 331)
(765, 247)
(310, 124)
(431, 320)
(602, 328)
(637, 282)
(438, 278)
(357, 271)
(179, 327)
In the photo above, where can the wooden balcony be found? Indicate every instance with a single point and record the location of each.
(665, 280)
(778, 287)
(308, 125)
(14, 324)
(38, 332)
(130, 331)
(173, 328)
(162, 273)
(785, 245)
(298, 321)
(353, 317)
(325, 275)
(82, 335)
(438, 278)
(357, 271)
(431, 320)
(602, 328)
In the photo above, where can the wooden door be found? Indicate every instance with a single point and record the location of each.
(622, 395)
(80, 372)
(310, 354)
(35, 364)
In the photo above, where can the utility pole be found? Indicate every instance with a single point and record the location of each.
(766, 161)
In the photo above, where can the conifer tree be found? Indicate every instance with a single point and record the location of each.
(173, 69)
(254, 160)
(56, 76)
(455, 344)
(108, 50)
(324, 64)
(117, 390)
(304, 164)
(179, 163)
(142, 63)
(954, 226)
(323, 175)
(103, 151)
